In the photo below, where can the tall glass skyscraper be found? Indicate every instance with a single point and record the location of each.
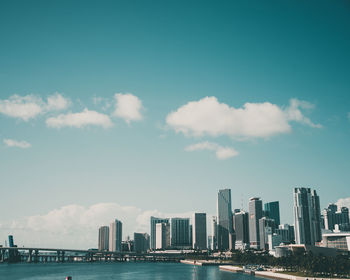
(255, 214)
(199, 240)
(115, 236)
(307, 216)
(224, 215)
(154, 222)
(272, 211)
(180, 232)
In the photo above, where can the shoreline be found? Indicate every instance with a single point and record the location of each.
(274, 275)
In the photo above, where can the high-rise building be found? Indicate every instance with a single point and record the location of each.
(191, 234)
(333, 217)
(199, 231)
(103, 238)
(155, 221)
(286, 231)
(11, 242)
(307, 216)
(115, 236)
(241, 228)
(214, 232)
(266, 228)
(272, 211)
(343, 216)
(224, 214)
(141, 242)
(255, 214)
(210, 242)
(330, 216)
(316, 218)
(180, 232)
(162, 236)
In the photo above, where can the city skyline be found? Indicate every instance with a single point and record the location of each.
(124, 112)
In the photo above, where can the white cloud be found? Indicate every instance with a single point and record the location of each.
(57, 102)
(76, 226)
(254, 120)
(128, 107)
(29, 106)
(82, 119)
(343, 202)
(294, 113)
(18, 144)
(220, 152)
(23, 107)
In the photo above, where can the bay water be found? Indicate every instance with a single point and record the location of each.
(111, 271)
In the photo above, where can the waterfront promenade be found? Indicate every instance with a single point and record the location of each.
(272, 274)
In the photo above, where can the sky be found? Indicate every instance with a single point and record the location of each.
(126, 109)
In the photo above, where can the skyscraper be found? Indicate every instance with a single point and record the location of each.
(329, 215)
(180, 232)
(224, 214)
(334, 217)
(255, 214)
(115, 236)
(214, 232)
(141, 242)
(272, 211)
(199, 231)
(162, 236)
(307, 216)
(241, 229)
(103, 238)
(155, 221)
(266, 228)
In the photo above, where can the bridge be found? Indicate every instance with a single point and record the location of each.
(28, 254)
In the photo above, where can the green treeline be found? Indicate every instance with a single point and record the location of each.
(300, 262)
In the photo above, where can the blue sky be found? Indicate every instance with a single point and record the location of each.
(166, 54)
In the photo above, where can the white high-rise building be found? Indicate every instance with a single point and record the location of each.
(199, 231)
(115, 236)
(162, 236)
(154, 221)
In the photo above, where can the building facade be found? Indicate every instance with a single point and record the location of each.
(115, 236)
(241, 228)
(224, 219)
(266, 228)
(141, 242)
(103, 238)
(162, 236)
(180, 233)
(199, 239)
(255, 214)
(214, 232)
(307, 216)
(154, 221)
(272, 211)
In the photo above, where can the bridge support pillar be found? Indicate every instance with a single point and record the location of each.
(58, 256)
(36, 257)
(30, 256)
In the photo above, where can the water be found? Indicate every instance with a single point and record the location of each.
(120, 271)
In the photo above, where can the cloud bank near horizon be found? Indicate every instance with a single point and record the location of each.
(76, 226)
